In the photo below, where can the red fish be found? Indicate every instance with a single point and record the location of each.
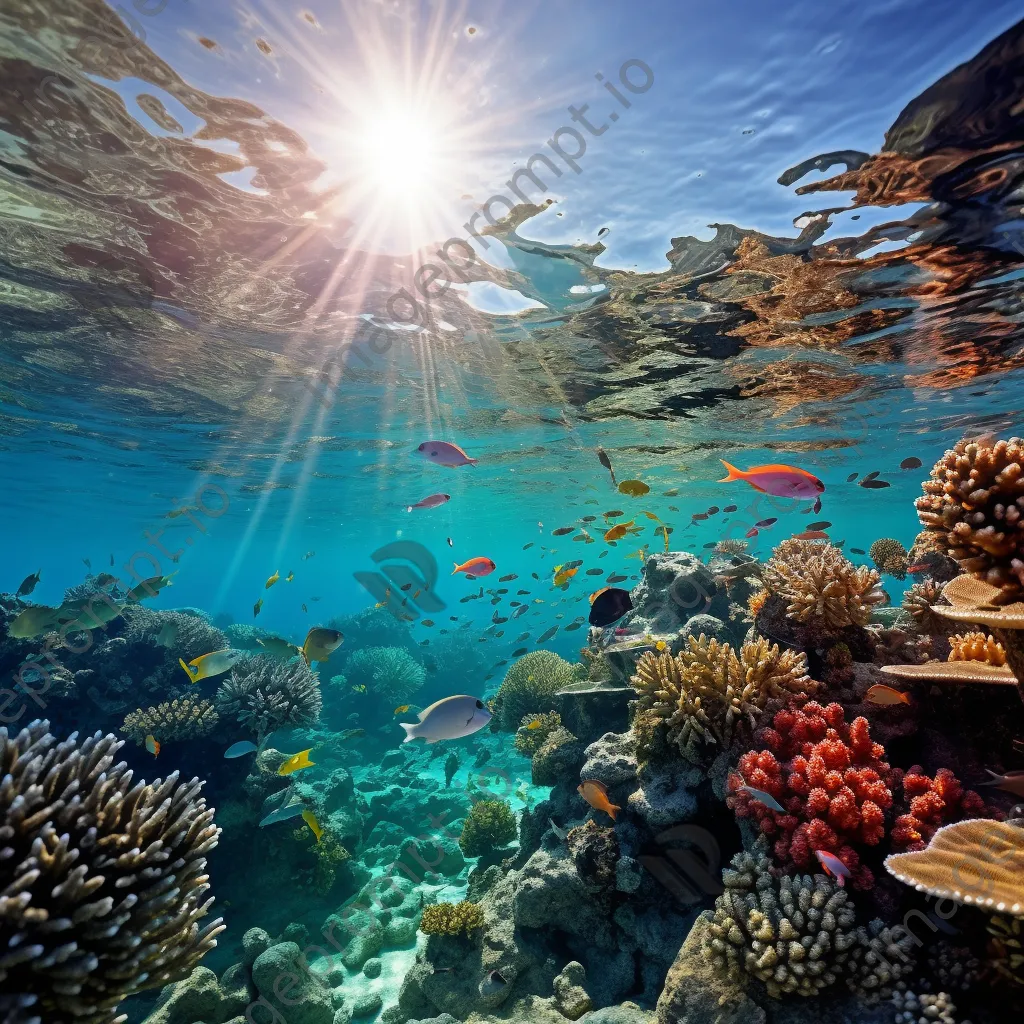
(752, 532)
(475, 567)
(776, 479)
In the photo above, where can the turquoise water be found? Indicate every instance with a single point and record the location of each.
(794, 238)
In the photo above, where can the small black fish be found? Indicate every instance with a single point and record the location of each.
(602, 457)
(857, 551)
(594, 572)
(573, 625)
(711, 544)
(528, 546)
(520, 652)
(521, 593)
(872, 475)
(450, 544)
(111, 559)
(729, 508)
(502, 590)
(616, 579)
(851, 478)
(765, 523)
(874, 484)
(534, 575)
(405, 587)
(911, 463)
(823, 525)
(547, 634)
(714, 510)
(588, 519)
(506, 579)
(88, 564)
(699, 517)
(28, 584)
(817, 504)
(563, 530)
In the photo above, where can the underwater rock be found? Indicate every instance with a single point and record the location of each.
(558, 758)
(254, 942)
(367, 1005)
(438, 854)
(289, 990)
(711, 627)
(611, 759)
(236, 990)
(372, 967)
(571, 996)
(197, 997)
(665, 795)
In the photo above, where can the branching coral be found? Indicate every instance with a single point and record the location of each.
(820, 585)
(461, 918)
(924, 1009)
(186, 718)
(919, 600)
(390, 673)
(756, 602)
(534, 730)
(1006, 948)
(530, 685)
(730, 546)
(489, 827)
(706, 690)
(974, 502)
(980, 862)
(933, 803)
(889, 556)
(189, 636)
(102, 882)
(831, 780)
(977, 647)
(795, 933)
(264, 694)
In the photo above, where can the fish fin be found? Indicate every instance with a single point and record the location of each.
(471, 462)
(994, 781)
(188, 671)
(456, 569)
(732, 473)
(409, 734)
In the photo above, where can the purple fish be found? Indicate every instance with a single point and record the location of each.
(833, 866)
(763, 798)
(431, 501)
(444, 454)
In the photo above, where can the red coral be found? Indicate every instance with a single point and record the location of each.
(831, 781)
(933, 803)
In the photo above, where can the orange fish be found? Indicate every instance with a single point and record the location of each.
(779, 480)
(811, 535)
(885, 695)
(596, 795)
(618, 532)
(475, 567)
(153, 745)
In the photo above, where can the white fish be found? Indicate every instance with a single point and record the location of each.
(448, 719)
(240, 749)
(560, 834)
(283, 813)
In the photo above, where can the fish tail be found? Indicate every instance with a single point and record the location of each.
(471, 462)
(613, 810)
(188, 672)
(410, 733)
(994, 781)
(456, 569)
(732, 473)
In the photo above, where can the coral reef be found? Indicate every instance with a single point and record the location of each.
(831, 780)
(185, 718)
(730, 546)
(1006, 948)
(103, 881)
(919, 600)
(706, 690)
(530, 686)
(934, 802)
(192, 635)
(461, 918)
(555, 758)
(534, 731)
(973, 502)
(820, 585)
(389, 673)
(889, 556)
(923, 1009)
(263, 694)
(977, 646)
(488, 829)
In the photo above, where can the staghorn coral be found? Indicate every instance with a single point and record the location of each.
(529, 740)
(973, 501)
(1006, 947)
(102, 885)
(978, 862)
(462, 918)
(263, 693)
(390, 673)
(795, 933)
(756, 602)
(706, 690)
(186, 718)
(919, 600)
(489, 827)
(882, 959)
(529, 688)
(889, 556)
(932, 804)
(821, 586)
(831, 780)
(977, 647)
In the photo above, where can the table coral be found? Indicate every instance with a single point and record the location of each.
(831, 780)
(706, 690)
(973, 501)
(183, 719)
(103, 882)
(820, 585)
(933, 802)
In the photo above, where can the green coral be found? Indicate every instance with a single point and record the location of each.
(452, 918)
(529, 687)
(390, 673)
(490, 826)
(530, 740)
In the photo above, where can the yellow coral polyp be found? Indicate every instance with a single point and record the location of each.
(461, 918)
(977, 647)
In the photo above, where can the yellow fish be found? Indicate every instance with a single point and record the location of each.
(402, 708)
(289, 577)
(535, 724)
(296, 763)
(148, 588)
(563, 577)
(661, 645)
(634, 488)
(213, 664)
(616, 532)
(310, 819)
(271, 580)
(321, 643)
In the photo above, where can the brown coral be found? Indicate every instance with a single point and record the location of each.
(976, 647)
(889, 556)
(102, 881)
(979, 862)
(953, 672)
(186, 718)
(706, 690)
(820, 585)
(974, 502)
(919, 600)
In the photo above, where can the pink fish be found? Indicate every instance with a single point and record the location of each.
(752, 532)
(475, 567)
(833, 866)
(431, 501)
(444, 454)
(776, 479)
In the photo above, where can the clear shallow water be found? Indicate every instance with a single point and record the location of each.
(196, 268)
